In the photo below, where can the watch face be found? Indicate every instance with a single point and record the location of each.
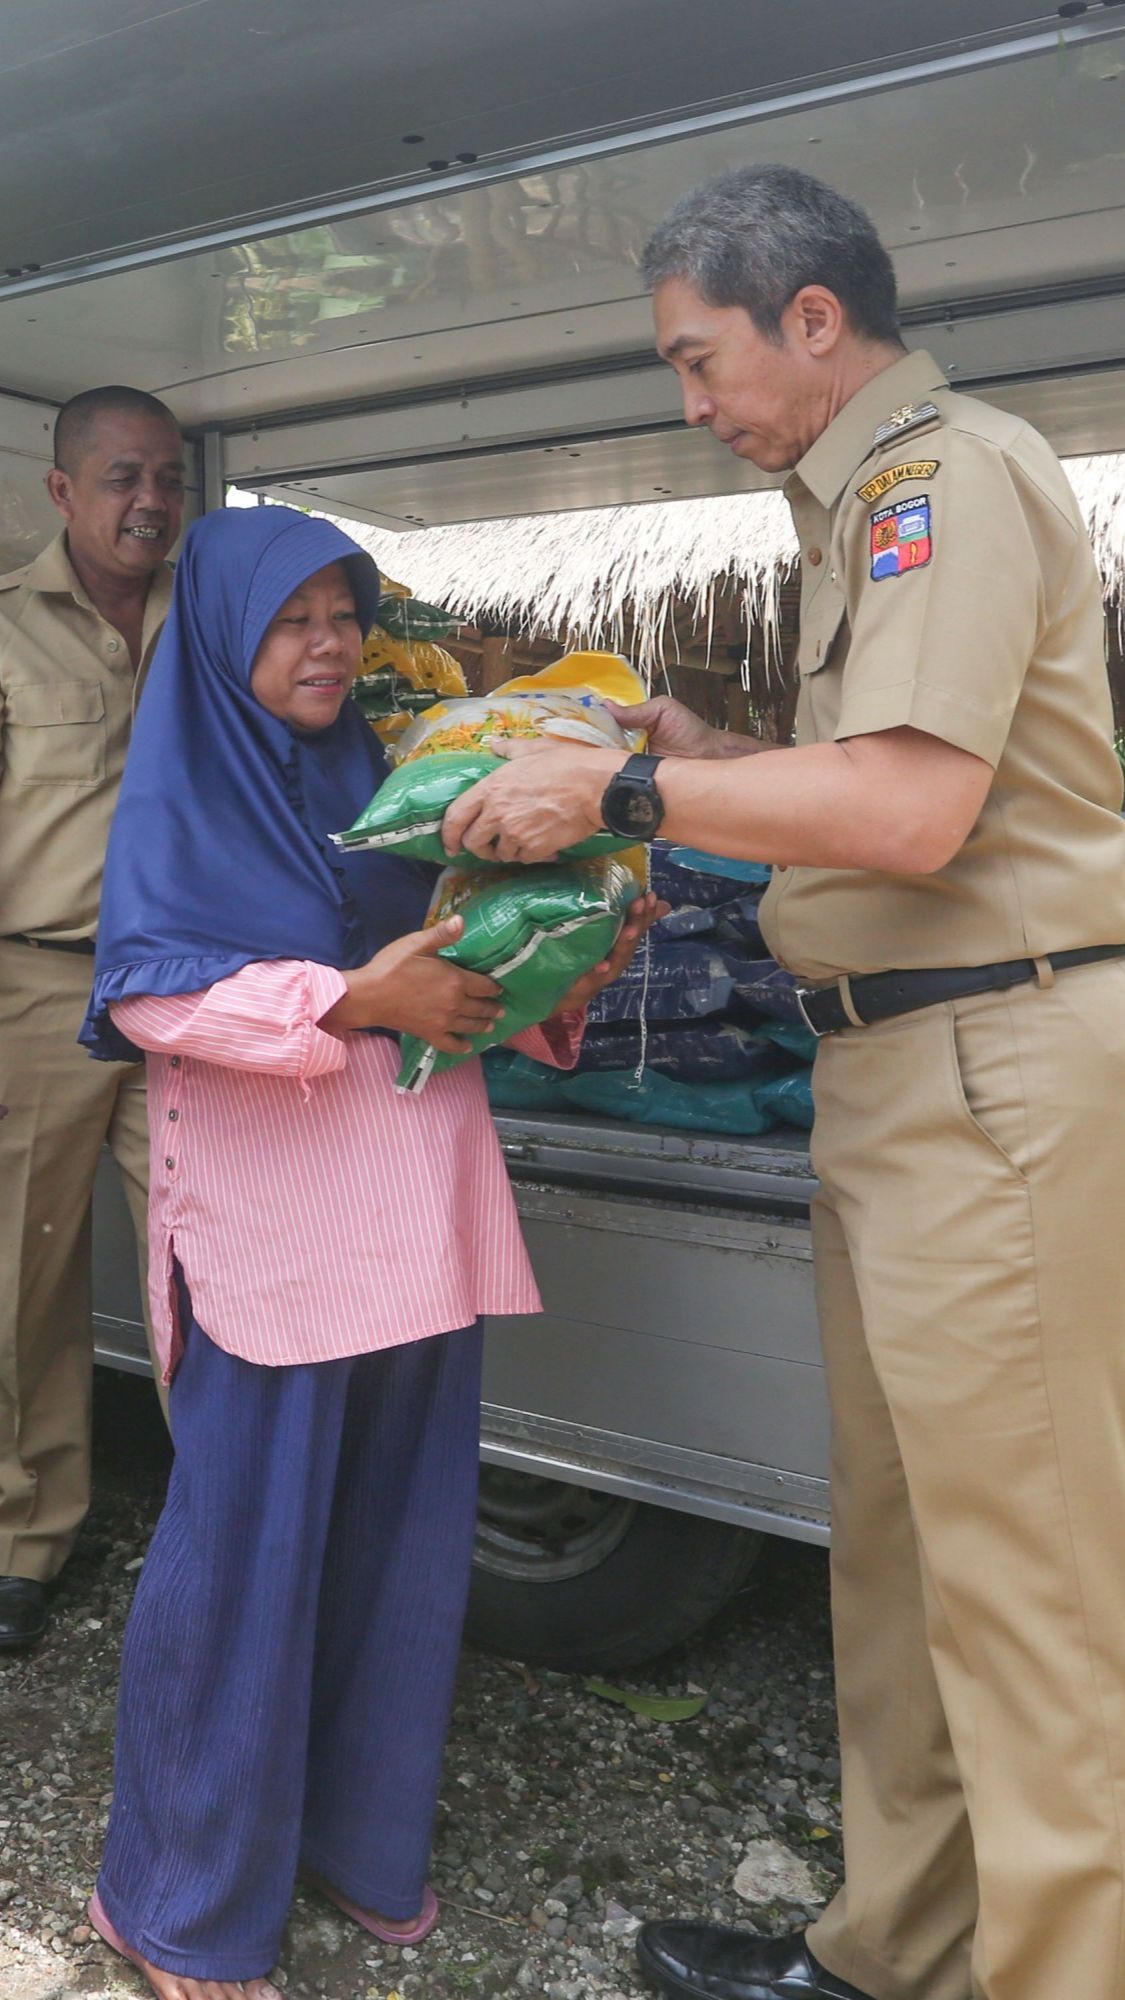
(640, 812)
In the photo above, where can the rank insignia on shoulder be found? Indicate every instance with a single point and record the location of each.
(915, 468)
(911, 417)
(900, 537)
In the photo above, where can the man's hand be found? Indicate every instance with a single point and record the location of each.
(673, 730)
(548, 797)
(408, 987)
(640, 917)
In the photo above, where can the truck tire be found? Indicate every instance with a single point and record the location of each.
(570, 1577)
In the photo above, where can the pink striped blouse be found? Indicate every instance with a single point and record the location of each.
(316, 1213)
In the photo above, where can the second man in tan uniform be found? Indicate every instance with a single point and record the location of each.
(77, 629)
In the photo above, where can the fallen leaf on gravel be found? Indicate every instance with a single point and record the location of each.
(659, 1707)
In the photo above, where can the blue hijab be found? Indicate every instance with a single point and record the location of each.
(218, 854)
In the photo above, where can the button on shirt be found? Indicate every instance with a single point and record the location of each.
(957, 594)
(67, 695)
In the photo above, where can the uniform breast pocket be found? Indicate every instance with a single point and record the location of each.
(54, 733)
(823, 644)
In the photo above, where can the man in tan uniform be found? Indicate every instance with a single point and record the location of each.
(950, 887)
(77, 629)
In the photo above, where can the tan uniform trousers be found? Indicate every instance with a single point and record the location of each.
(970, 1246)
(61, 1107)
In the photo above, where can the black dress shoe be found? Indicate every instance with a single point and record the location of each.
(23, 1612)
(708, 1962)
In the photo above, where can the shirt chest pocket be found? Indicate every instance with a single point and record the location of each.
(55, 733)
(821, 652)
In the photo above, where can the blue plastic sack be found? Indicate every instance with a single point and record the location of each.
(690, 921)
(701, 862)
(677, 882)
(687, 979)
(736, 924)
(693, 1051)
(661, 1100)
(761, 986)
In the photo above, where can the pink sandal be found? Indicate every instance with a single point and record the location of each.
(109, 1936)
(116, 1942)
(427, 1916)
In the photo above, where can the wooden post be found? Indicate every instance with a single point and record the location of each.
(495, 661)
(738, 707)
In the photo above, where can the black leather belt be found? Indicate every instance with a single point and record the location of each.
(877, 996)
(86, 946)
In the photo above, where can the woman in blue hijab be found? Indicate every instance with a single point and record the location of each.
(322, 1250)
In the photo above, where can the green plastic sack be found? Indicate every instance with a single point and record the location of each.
(790, 1098)
(407, 811)
(661, 1100)
(534, 931)
(516, 1083)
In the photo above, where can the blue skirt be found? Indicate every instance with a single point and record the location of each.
(290, 1656)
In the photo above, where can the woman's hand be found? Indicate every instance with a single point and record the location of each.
(406, 986)
(640, 917)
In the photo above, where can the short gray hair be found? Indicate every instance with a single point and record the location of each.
(754, 236)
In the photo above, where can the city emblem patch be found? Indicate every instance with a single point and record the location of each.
(900, 537)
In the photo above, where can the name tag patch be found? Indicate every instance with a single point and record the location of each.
(915, 468)
(900, 537)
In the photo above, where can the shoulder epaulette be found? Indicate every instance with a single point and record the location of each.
(911, 417)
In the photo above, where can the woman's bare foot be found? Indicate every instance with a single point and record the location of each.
(177, 1986)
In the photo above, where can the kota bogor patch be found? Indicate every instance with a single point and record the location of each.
(900, 537)
(915, 468)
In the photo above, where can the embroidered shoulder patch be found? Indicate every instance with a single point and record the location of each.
(915, 468)
(900, 537)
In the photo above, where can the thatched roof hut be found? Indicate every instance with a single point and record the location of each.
(623, 577)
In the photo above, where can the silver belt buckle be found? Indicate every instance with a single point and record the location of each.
(801, 994)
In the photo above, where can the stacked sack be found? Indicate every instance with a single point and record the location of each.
(404, 671)
(702, 1031)
(537, 929)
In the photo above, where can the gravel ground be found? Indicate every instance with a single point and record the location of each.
(565, 1819)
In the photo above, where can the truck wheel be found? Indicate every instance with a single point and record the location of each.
(567, 1576)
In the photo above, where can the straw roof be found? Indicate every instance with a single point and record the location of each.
(588, 575)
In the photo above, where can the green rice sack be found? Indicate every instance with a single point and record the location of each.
(407, 811)
(447, 750)
(534, 931)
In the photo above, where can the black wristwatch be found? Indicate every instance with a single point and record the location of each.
(631, 804)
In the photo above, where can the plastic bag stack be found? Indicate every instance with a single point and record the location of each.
(706, 1037)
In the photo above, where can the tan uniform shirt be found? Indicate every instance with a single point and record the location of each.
(67, 696)
(947, 583)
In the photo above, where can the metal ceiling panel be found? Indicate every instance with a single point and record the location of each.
(131, 123)
(981, 182)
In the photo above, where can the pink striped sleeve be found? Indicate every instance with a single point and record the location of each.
(262, 1018)
(556, 1042)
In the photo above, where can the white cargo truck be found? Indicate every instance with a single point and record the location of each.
(384, 261)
